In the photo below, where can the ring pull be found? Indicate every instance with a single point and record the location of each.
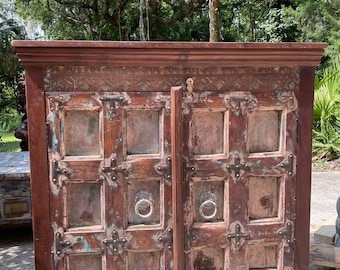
(144, 204)
(208, 209)
(144, 208)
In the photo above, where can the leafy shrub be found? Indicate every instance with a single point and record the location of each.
(9, 121)
(326, 118)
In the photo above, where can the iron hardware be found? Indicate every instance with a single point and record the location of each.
(114, 169)
(237, 167)
(56, 171)
(240, 104)
(288, 99)
(238, 235)
(288, 165)
(144, 205)
(166, 169)
(111, 100)
(60, 244)
(287, 233)
(190, 169)
(167, 238)
(115, 241)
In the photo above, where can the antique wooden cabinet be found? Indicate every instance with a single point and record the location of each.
(170, 155)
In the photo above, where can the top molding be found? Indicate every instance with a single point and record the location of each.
(155, 54)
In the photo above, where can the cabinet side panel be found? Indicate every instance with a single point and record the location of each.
(39, 171)
(303, 184)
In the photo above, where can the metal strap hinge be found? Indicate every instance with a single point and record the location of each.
(287, 233)
(60, 244)
(167, 238)
(166, 169)
(56, 171)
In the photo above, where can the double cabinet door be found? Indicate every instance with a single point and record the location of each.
(172, 180)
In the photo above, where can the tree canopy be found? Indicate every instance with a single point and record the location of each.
(187, 20)
(10, 69)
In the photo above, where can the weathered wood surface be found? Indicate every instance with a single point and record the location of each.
(15, 195)
(14, 165)
(242, 200)
(322, 250)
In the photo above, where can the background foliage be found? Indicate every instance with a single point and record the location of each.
(188, 20)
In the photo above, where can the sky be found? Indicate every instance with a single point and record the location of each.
(33, 28)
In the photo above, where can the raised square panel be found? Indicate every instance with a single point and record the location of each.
(81, 133)
(142, 132)
(208, 259)
(144, 202)
(208, 201)
(16, 208)
(83, 205)
(88, 261)
(264, 131)
(207, 132)
(144, 260)
(263, 256)
(264, 194)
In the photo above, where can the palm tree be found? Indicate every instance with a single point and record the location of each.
(326, 124)
(9, 64)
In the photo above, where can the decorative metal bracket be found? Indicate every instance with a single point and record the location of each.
(167, 238)
(115, 241)
(56, 171)
(288, 165)
(287, 233)
(238, 235)
(114, 169)
(57, 102)
(166, 169)
(240, 104)
(237, 167)
(111, 100)
(288, 99)
(60, 244)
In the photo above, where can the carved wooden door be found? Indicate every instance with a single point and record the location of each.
(172, 180)
(239, 203)
(110, 180)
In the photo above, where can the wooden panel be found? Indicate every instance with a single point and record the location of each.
(304, 156)
(208, 259)
(88, 261)
(264, 131)
(81, 133)
(144, 202)
(264, 194)
(143, 260)
(208, 201)
(85, 208)
(17, 208)
(39, 168)
(142, 132)
(263, 256)
(207, 132)
(177, 178)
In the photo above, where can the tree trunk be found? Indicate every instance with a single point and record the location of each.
(214, 25)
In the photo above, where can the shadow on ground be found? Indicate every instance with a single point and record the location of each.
(16, 249)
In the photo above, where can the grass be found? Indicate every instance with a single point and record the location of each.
(8, 143)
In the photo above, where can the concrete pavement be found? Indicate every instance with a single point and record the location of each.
(16, 247)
